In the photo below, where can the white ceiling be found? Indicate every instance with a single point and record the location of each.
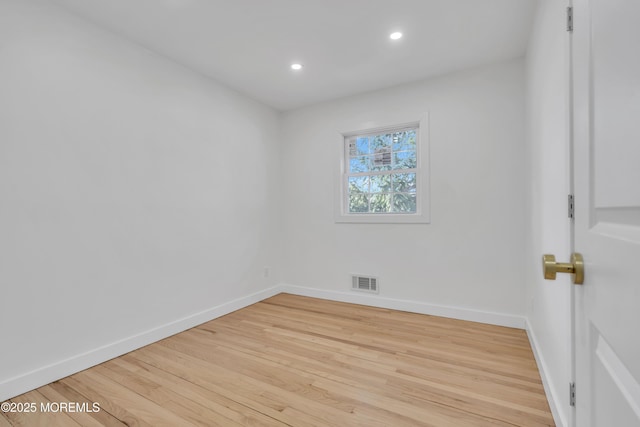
(344, 45)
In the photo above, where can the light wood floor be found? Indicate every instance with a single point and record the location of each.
(299, 361)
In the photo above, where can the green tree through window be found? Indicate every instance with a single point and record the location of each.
(382, 172)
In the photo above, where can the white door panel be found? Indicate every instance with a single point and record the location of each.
(606, 153)
(616, 106)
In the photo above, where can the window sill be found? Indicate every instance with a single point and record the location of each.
(382, 219)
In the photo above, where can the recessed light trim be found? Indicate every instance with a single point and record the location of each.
(395, 35)
(296, 66)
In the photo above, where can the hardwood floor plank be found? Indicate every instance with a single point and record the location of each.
(217, 403)
(408, 346)
(281, 377)
(92, 391)
(443, 391)
(4, 422)
(299, 361)
(141, 406)
(212, 379)
(273, 400)
(163, 395)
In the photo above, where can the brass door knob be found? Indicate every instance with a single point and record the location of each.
(576, 267)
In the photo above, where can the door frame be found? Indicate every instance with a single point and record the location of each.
(571, 172)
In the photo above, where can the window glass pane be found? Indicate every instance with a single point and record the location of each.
(359, 164)
(404, 203)
(362, 145)
(404, 182)
(380, 142)
(381, 159)
(358, 203)
(404, 141)
(404, 160)
(380, 202)
(381, 183)
(381, 167)
(358, 184)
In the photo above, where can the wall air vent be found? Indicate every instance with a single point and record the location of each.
(364, 284)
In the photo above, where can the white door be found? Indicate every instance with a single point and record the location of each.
(606, 148)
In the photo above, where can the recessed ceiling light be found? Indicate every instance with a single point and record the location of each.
(296, 66)
(395, 36)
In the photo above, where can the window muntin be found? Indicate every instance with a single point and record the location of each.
(382, 172)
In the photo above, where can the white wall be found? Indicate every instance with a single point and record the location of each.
(471, 255)
(133, 193)
(548, 303)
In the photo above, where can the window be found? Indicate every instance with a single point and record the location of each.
(383, 176)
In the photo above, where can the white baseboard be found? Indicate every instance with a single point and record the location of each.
(492, 318)
(47, 374)
(559, 416)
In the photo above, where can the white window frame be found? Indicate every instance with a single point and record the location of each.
(421, 216)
